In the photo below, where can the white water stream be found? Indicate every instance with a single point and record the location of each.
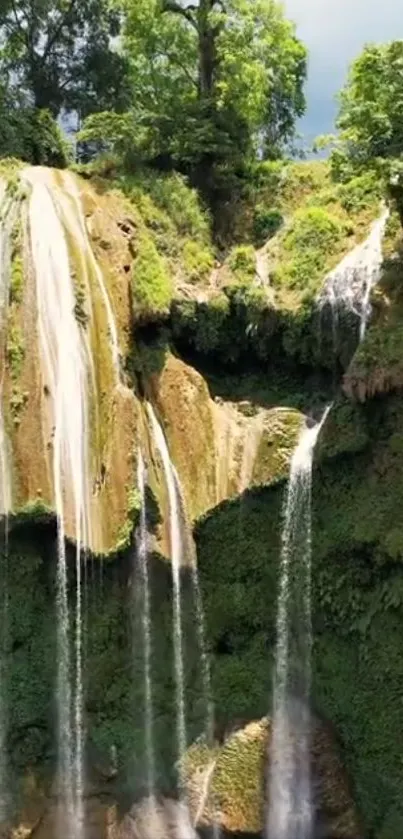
(8, 211)
(290, 813)
(350, 284)
(142, 553)
(177, 555)
(66, 367)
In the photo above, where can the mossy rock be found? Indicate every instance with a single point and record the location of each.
(239, 769)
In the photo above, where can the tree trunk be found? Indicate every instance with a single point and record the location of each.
(207, 51)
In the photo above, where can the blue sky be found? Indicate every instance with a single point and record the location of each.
(335, 32)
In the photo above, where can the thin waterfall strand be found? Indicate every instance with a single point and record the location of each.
(82, 237)
(142, 552)
(66, 365)
(290, 800)
(176, 562)
(9, 212)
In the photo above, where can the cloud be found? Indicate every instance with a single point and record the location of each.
(335, 32)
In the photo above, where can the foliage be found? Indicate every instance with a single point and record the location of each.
(151, 283)
(313, 235)
(56, 54)
(197, 261)
(32, 135)
(171, 194)
(370, 114)
(242, 262)
(266, 223)
(211, 82)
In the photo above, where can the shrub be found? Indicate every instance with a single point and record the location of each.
(151, 283)
(360, 192)
(172, 194)
(266, 223)
(197, 261)
(242, 262)
(34, 136)
(313, 228)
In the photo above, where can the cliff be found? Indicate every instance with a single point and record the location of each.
(231, 349)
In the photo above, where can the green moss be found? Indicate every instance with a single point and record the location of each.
(18, 402)
(80, 311)
(34, 511)
(15, 350)
(16, 279)
(151, 283)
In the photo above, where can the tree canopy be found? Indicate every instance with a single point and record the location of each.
(214, 83)
(370, 116)
(205, 87)
(56, 54)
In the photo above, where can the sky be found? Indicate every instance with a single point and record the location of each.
(335, 32)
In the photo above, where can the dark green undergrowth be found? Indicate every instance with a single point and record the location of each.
(357, 601)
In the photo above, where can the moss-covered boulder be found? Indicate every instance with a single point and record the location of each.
(235, 774)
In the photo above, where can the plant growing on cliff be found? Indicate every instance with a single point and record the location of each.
(151, 283)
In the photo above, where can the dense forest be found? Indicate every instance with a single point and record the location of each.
(212, 90)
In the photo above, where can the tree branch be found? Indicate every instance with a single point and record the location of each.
(52, 39)
(186, 12)
(20, 28)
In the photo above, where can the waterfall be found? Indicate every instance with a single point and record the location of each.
(66, 368)
(177, 556)
(142, 553)
(290, 804)
(350, 284)
(77, 222)
(9, 214)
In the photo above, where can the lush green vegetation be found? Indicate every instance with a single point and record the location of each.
(151, 284)
(357, 599)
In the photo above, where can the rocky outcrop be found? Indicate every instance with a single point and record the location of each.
(220, 448)
(237, 798)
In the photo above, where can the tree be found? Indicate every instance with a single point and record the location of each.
(57, 54)
(370, 117)
(214, 82)
(228, 57)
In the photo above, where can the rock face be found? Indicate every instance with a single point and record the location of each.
(220, 448)
(235, 795)
(163, 819)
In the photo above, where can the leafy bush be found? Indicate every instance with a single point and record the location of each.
(34, 136)
(197, 260)
(151, 283)
(313, 235)
(312, 228)
(172, 194)
(242, 262)
(266, 223)
(360, 192)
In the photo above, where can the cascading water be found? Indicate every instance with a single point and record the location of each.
(177, 555)
(291, 813)
(348, 287)
(66, 369)
(180, 544)
(8, 212)
(142, 553)
(78, 225)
